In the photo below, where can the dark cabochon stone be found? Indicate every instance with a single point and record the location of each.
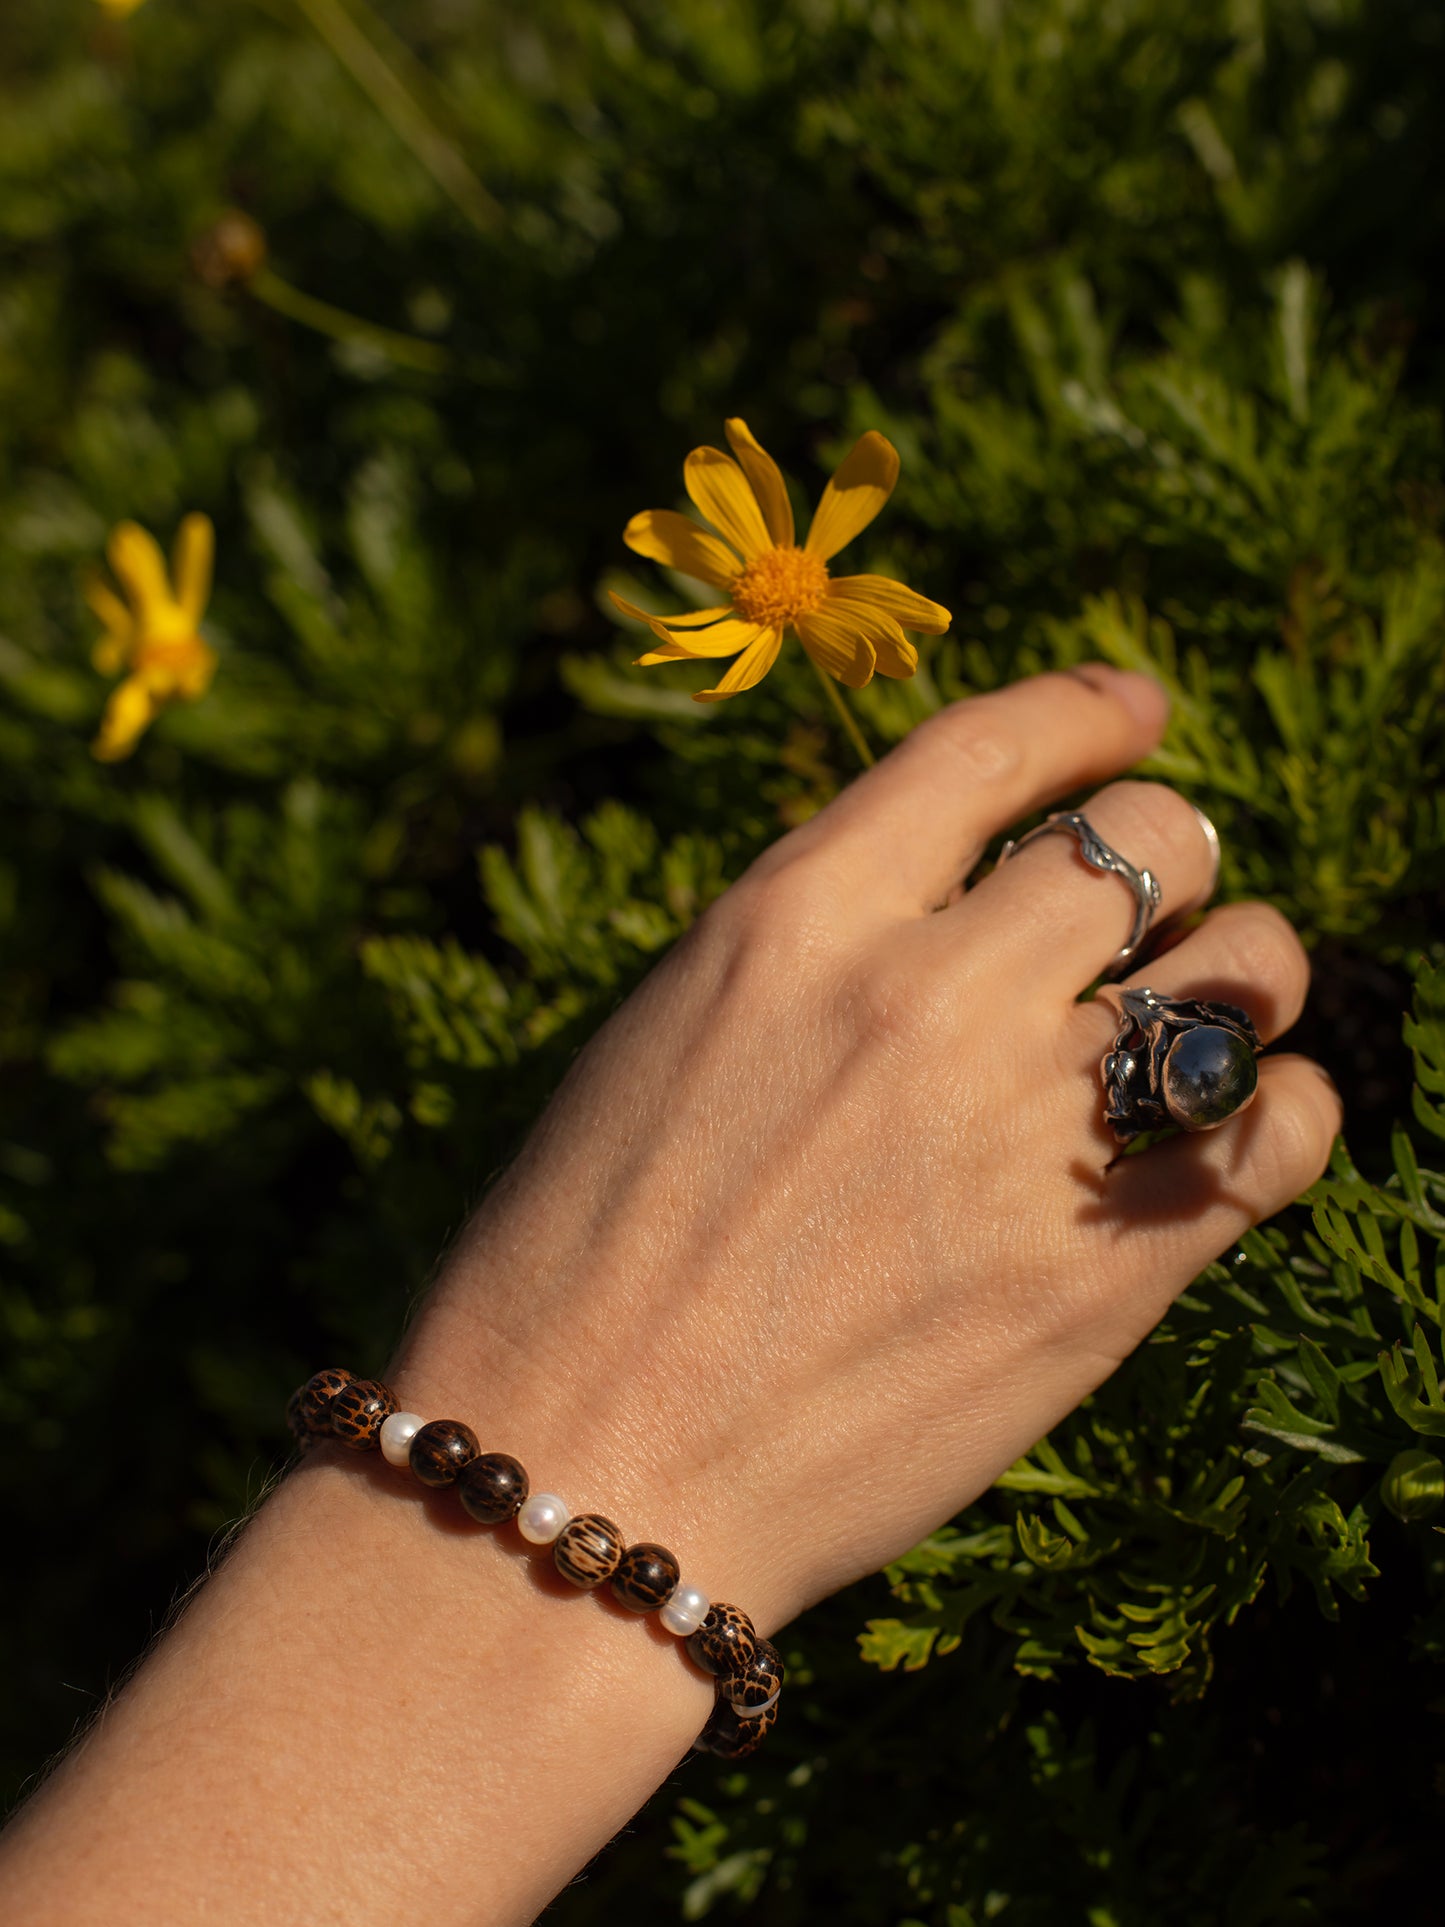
(1209, 1074)
(441, 1449)
(493, 1487)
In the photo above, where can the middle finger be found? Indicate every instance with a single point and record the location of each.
(1048, 918)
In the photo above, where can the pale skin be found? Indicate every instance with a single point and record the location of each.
(822, 1232)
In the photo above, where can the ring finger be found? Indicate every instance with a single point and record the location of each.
(1245, 954)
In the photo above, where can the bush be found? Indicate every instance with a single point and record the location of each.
(1142, 294)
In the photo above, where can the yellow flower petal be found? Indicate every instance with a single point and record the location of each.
(720, 639)
(671, 539)
(110, 651)
(896, 655)
(136, 557)
(839, 647)
(129, 713)
(720, 489)
(854, 496)
(857, 593)
(694, 618)
(191, 558)
(750, 668)
(766, 480)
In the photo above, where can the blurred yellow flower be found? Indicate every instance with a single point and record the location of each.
(850, 625)
(119, 8)
(154, 641)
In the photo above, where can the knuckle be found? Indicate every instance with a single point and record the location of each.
(1293, 1147)
(905, 1004)
(789, 908)
(1263, 944)
(983, 750)
(1154, 826)
(1153, 809)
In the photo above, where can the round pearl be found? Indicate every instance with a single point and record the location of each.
(685, 1610)
(541, 1518)
(397, 1434)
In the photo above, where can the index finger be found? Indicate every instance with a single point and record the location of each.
(908, 830)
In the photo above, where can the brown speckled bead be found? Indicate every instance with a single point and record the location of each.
(756, 1684)
(724, 1642)
(316, 1395)
(730, 1736)
(588, 1550)
(645, 1577)
(493, 1488)
(358, 1412)
(441, 1449)
(296, 1425)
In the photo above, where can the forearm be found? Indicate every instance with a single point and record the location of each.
(371, 1705)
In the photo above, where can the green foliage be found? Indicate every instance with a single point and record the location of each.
(1144, 296)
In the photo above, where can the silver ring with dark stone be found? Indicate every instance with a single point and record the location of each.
(1097, 853)
(1177, 1061)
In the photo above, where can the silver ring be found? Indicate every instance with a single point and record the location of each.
(1211, 837)
(1096, 852)
(1177, 1060)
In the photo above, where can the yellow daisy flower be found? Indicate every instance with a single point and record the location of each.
(850, 625)
(155, 640)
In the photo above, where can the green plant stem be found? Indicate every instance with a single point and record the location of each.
(268, 286)
(845, 717)
(400, 107)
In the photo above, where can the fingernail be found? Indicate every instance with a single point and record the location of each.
(1145, 699)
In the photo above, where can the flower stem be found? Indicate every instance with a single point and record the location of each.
(845, 717)
(268, 286)
(400, 104)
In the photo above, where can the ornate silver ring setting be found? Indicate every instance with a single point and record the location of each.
(1096, 852)
(1177, 1060)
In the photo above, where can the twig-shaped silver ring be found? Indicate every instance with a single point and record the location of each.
(1096, 852)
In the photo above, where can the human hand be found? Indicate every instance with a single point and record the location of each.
(825, 1229)
(822, 1231)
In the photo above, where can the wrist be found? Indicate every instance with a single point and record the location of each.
(608, 1432)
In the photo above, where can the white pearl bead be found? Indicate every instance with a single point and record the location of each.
(542, 1518)
(397, 1434)
(756, 1712)
(685, 1610)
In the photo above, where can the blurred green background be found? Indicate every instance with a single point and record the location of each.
(1144, 292)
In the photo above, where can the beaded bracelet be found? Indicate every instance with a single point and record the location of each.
(746, 1669)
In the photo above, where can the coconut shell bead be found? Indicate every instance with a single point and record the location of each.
(730, 1736)
(314, 1398)
(441, 1449)
(758, 1682)
(724, 1642)
(358, 1412)
(645, 1576)
(296, 1425)
(588, 1550)
(493, 1487)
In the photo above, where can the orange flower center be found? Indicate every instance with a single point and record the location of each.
(779, 586)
